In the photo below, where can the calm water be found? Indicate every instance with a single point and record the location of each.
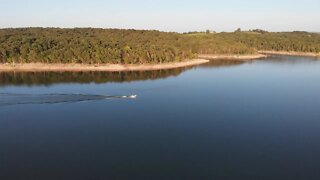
(256, 120)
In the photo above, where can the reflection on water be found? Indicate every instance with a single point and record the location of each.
(48, 78)
(276, 59)
(222, 63)
(10, 99)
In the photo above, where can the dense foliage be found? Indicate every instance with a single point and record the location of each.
(285, 41)
(220, 43)
(94, 46)
(255, 40)
(90, 46)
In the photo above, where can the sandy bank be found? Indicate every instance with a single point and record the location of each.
(291, 53)
(38, 67)
(232, 57)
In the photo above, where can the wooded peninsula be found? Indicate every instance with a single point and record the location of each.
(117, 46)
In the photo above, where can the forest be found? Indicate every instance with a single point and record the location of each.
(118, 46)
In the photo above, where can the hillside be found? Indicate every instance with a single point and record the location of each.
(257, 40)
(90, 46)
(115, 46)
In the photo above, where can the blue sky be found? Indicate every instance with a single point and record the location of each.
(165, 15)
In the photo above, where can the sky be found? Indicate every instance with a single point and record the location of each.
(164, 15)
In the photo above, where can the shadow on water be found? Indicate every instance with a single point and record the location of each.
(11, 99)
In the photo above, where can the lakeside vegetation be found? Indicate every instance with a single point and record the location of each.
(115, 46)
(248, 42)
(92, 46)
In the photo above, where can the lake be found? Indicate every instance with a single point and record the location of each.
(222, 120)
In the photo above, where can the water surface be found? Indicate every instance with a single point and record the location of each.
(230, 120)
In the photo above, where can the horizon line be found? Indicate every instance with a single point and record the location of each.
(138, 29)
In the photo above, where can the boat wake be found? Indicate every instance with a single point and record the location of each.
(10, 99)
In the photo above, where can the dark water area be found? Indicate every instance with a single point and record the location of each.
(221, 120)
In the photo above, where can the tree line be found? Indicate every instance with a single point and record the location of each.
(94, 46)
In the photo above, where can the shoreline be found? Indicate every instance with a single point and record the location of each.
(202, 59)
(232, 57)
(290, 53)
(43, 67)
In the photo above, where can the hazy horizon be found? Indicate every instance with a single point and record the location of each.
(181, 32)
(178, 16)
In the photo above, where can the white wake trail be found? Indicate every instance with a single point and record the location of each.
(9, 99)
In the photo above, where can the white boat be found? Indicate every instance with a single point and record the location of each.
(133, 96)
(130, 97)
